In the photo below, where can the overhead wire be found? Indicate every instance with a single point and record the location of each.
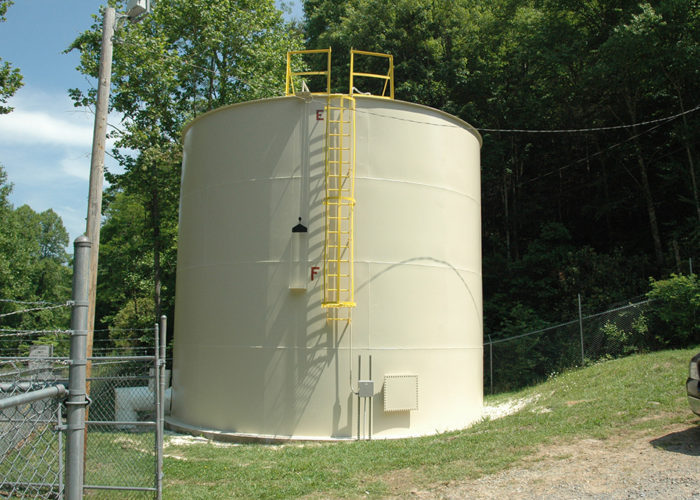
(593, 155)
(591, 129)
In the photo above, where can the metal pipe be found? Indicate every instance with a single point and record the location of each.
(371, 399)
(359, 377)
(60, 451)
(55, 391)
(119, 488)
(122, 423)
(156, 398)
(76, 373)
(491, 363)
(580, 328)
(160, 413)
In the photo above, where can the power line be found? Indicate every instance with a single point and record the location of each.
(592, 129)
(593, 155)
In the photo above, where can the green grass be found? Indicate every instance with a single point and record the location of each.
(639, 393)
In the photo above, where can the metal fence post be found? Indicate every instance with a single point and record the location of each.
(160, 418)
(580, 329)
(156, 394)
(491, 363)
(75, 405)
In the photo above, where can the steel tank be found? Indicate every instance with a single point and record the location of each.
(255, 354)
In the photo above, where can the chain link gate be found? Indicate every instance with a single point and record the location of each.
(124, 428)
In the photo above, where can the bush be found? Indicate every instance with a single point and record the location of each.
(675, 311)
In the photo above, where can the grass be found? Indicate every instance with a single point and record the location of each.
(638, 393)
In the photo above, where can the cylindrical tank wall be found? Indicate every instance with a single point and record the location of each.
(254, 357)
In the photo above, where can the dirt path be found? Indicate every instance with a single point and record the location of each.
(635, 465)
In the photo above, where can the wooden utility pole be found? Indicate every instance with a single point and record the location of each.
(99, 137)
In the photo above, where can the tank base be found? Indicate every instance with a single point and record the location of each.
(180, 427)
(238, 437)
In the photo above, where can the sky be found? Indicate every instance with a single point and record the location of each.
(45, 143)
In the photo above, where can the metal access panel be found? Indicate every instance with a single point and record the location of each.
(366, 388)
(400, 392)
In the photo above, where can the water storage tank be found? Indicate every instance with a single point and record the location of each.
(255, 353)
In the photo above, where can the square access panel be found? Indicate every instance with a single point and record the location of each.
(400, 392)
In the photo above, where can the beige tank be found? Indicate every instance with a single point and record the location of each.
(254, 352)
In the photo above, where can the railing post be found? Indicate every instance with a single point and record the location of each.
(75, 405)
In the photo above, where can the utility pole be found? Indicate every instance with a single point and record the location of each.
(99, 137)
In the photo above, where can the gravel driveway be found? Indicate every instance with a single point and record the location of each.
(635, 465)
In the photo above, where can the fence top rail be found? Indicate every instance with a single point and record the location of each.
(56, 391)
(498, 341)
(568, 323)
(635, 304)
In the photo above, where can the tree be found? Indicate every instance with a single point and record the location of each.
(33, 265)
(10, 78)
(183, 59)
(550, 65)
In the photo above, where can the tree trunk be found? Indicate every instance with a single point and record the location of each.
(686, 144)
(651, 210)
(646, 189)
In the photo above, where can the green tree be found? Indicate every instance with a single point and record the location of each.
(183, 59)
(10, 78)
(33, 266)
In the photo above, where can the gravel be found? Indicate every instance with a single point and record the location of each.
(630, 465)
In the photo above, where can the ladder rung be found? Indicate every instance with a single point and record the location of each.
(338, 304)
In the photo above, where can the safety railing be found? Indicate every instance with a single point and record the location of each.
(388, 77)
(291, 75)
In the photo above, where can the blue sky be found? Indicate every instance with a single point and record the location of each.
(45, 142)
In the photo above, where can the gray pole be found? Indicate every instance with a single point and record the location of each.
(491, 363)
(55, 391)
(75, 405)
(580, 328)
(161, 404)
(99, 137)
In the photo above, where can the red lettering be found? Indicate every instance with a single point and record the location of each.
(319, 115)
(314, 271)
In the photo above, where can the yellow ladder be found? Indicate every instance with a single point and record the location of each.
(338, 269)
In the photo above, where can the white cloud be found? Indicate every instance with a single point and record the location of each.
(41, 118)
(76, 166)
(35, 128)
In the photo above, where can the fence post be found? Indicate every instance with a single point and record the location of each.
(580, 329)
(161, 412)
(75, 405)
(491, 363)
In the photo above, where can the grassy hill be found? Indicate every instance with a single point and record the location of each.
(639, 393)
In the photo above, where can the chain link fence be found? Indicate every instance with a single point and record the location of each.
(31, 423)
(122, 455)
(513, 362)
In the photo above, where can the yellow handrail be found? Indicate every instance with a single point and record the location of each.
(388, 78)
(291, 74)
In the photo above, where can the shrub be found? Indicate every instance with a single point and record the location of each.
(675, 311)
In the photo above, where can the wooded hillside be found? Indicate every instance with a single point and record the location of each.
(589, 112)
